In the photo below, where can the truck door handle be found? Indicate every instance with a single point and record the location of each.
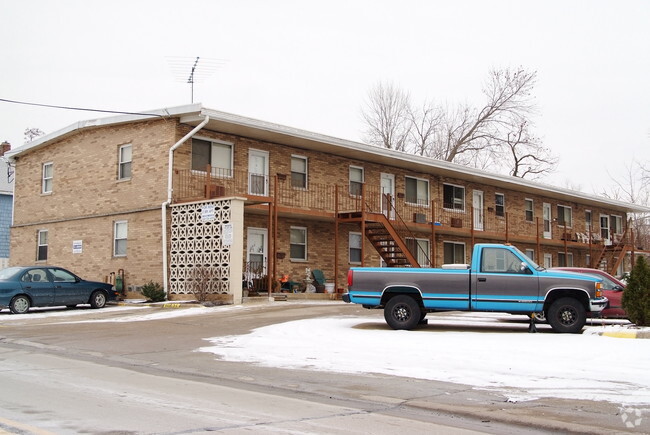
(482, 279)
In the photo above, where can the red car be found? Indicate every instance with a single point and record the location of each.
(612, 289)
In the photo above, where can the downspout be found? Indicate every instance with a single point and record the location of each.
(169, 197)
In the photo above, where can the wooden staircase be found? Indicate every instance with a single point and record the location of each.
(612, 256)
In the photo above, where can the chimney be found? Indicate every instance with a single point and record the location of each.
(4, 147)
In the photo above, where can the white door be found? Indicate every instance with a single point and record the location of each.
(604, 229)
(477, 204)
(388, 195)
(548, 260)
(258, 172)
(256, 253)
(546, 213)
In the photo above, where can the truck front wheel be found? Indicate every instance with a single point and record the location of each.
(567, 315)
(402, 312)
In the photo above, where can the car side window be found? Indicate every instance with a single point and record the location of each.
(35, 275)
(60, 275)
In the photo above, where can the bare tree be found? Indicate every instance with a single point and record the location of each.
(527, 157)
(32, 133)
(425, 127)
(387, 117)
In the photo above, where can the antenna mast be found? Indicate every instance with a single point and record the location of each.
(179, 66)
(191, 78)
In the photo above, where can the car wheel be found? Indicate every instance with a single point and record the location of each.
(98, 299)
(402, 312)
(567, 315)
(539, 317)
(20, 304)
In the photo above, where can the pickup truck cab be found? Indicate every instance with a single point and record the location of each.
(500, 278)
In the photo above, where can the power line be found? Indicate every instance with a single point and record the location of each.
(53, 106)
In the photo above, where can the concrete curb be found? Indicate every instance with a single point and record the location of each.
(625, 333)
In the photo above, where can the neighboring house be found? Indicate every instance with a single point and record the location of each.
(191, 197)
(6, 204)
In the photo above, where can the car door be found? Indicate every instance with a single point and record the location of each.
(502, 284)
(36, 284)
(67, 289)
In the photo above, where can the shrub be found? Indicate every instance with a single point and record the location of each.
(636, 297)
(153, 292)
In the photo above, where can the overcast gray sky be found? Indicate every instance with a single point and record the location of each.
(310, 64)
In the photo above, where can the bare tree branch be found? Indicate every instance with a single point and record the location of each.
(387, 117)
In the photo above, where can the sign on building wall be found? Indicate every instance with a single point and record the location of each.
(227, 234)
(77, 246)
(207, 213)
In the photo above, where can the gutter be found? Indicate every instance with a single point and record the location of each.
(169, 197)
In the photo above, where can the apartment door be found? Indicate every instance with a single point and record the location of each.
(256, 253)
(546, 216)
(388, 195)
(258, 172)
(477, 204)
(548, 260)
(604, 229)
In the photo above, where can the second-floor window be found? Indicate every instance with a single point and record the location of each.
(48, 176)
(354, 241)
(356, 180)
(588, 220)
(298, 243)
(617, 224)
(529, 210)
(299, 172)
(41, 252)
(120, 230)
(124, 169)
(453, 197)
(564, 215)
(500, 204)
(417, 191)
(214, 153)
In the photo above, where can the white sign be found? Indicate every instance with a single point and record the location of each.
(226, 234)
(77, 246)
(207, 213)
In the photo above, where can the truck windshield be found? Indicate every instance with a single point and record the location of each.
(528, 259)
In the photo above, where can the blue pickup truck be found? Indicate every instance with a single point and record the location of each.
(500, 278)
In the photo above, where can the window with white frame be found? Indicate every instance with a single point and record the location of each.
(420, 250)
(500, 204)
(453, 253)
(354, 241)
(417, 191)
(120, 232)
(587, 260)
(564, 215)
(453, 197)
(48, 176)
(42, 244)
(530, 253)
(124, 166)
(565, 260)
(588, 220)
(529, 209)
(548, 260)
(298, 243)
(215, 153)
(356, 180)
(299, 172)
(616, 224)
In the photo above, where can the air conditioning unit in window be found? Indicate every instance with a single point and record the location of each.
(456, 222)
(419, 218)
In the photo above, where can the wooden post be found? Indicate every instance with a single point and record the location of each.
(539, 249)
(336, 238)
(363, 225)
(208, 182)
(433, 235)
(507, 229)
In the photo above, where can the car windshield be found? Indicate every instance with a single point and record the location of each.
(8, 273)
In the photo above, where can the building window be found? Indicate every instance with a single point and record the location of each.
(453, 197)
(417, 191)
(564, 215)
(565, 260)
(500, 204)
(119, 238)
(420, 250)
(530, 253)
(298, 242)
(588, 220)
(354, 241)
(617, 224)
(48, 175)
(41, 253)
(588, 260)
(214, 153)
(356, 180)
(454, 253)
(529, 210)
(124, 170)
(299, 172)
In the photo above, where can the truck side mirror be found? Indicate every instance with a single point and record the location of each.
(525, 269)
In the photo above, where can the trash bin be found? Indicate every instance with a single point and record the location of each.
(329, 287)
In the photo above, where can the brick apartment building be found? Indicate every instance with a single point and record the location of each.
(183, 192)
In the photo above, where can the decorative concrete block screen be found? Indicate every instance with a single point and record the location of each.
(200, 251)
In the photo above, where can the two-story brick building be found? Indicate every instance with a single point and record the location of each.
(187, 194)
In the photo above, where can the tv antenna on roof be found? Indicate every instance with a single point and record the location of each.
(197, 71)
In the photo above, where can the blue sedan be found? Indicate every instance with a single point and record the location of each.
(45, 286)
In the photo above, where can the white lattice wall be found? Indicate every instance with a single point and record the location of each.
(197, 242)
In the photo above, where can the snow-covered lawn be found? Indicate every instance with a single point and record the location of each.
(489, 351)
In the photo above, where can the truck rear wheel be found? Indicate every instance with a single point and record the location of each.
(567, 315)
(402, 312)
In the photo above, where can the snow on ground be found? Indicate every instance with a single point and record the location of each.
(487, 352)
